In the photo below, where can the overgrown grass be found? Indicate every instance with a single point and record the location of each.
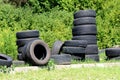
(93, 73)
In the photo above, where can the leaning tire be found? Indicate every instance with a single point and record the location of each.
(75, 43)
(112, 52)
(57, 46)
(37, 52)
(84, 20)
(62, 59)
(91, 39)
(73, 50)
(84, 30)
(27, 34)
(84, 13)
(22, 42)
(5, 60)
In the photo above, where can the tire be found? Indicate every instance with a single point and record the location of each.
(84, 13)
(20, 49)
(115, 58)
(112, 52)
(62, 59)
(84, 30)
(73, 50)
(18, 63)
(91, 39)
(27, 34)
(20, 57)
(76, 43)
(5, 60)
(92, 57)
(22, 42)
(78, 56)
(91, 49)
(84, 20)
(37, 52)
(57, 46)
(21, 53)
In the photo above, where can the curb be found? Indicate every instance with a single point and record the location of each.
(30, 68)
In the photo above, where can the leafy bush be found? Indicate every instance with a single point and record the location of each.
(52, 26)
(108, 22)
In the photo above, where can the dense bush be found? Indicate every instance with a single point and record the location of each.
(54, 18)
(52, 25)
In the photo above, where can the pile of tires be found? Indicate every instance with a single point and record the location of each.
(112, 53)
(31, 49)
(58, 56)
(76, 48)
(85, 29)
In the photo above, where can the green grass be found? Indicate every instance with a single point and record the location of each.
(83, 73)
(94, 73)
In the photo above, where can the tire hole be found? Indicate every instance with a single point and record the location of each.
(40, 52)
(2, 58)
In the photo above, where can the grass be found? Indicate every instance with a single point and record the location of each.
(83, 73)
(94, 73)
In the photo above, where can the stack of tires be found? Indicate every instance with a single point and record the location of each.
(76, 48)
(85, 29)
(112, 53)
(31, 49)
(23, 38)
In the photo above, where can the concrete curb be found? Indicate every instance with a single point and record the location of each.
(30, 68)
(88, 65)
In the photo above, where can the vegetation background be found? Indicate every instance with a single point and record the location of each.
(54, 20)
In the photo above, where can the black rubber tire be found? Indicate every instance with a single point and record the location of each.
(78, 56)
(20, 57)
(84, 20)
(73, 50)
(5, 60)
(62, 59)
(22, 42)
(115, 58)
(92, 57)
(37, 52)
(91, 39)
(112, 52)
(27, 34)
(91, 49)
(84, 13)
(84, 30)
(76, 43)
(18, 63)
(20, 49)
(57, 46)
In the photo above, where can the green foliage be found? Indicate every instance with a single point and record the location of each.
(51, 65)
(108, 22)
(52, 25)
(4, 69)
